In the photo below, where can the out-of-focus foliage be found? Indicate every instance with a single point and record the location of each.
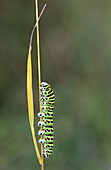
(76, 61)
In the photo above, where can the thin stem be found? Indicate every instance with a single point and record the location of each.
(39, 77)
(30, 46)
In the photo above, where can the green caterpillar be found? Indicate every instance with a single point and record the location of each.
(47, 101)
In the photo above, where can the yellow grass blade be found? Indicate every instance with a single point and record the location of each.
(30, 103)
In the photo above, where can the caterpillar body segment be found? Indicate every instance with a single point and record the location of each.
(48, 98)
(49, 115)
(47, 108)
(48, 130)
(47, 104)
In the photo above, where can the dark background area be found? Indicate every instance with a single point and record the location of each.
(75, 38)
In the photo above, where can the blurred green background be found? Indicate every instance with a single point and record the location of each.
(75, 37)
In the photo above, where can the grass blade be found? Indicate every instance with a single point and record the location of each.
(30, 103)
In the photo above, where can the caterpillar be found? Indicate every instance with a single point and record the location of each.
(47, 103)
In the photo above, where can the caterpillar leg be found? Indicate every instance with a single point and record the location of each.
(41, 141)
(41, 133)
(40, 123)
(40, 114)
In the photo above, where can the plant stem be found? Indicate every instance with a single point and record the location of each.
(39, 77)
